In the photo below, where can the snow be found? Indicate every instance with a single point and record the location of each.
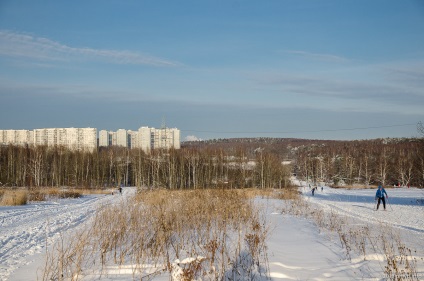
(297, 248)
(26, 230)
(404, 206)
(299, 252)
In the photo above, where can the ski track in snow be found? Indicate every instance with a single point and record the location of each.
(26, 230)
(404, 207)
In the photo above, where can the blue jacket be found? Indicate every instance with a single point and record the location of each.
(380, 192)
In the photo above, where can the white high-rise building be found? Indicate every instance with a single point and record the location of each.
(52, 136)
(165, 138)
(145, 138)
(40, 137)
(18, 137)
(132, 138)
(9, 136)
(105, 138)
(86, 138)
(23, 137)
(74, 138)
(122, 138)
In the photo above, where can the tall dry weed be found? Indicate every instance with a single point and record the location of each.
(47, 193)
(14, 198)
(189, 234)
(362, 239)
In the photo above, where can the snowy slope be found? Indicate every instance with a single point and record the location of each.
(298, 250)
(404, 207)
(26, 230)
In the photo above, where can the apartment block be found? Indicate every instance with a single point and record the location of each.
(105, 138)
(118, 138)
(122, 138)
(145, 138)
(165, 138)
(19, 137)
(74, 138)
(132, 138)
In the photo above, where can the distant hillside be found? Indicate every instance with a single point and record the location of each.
(392, 161)
(285, 147)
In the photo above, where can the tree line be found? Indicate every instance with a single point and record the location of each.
(224, 164)
(386, 161)
(187, 168)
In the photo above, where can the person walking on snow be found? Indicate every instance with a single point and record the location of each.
(380, 196)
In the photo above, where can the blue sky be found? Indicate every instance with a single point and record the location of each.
(215, 69)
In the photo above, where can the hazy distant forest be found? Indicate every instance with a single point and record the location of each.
(223, 163)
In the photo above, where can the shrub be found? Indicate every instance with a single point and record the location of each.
(69, 194)
(36, 195)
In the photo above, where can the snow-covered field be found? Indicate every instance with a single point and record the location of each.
(26, 230)
(297, 248)
(322, 257)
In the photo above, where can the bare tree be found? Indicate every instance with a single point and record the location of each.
(420, 128)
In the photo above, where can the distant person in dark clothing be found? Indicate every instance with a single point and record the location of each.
(120, 190)
(380, 196)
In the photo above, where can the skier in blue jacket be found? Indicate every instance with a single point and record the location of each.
(380, 196)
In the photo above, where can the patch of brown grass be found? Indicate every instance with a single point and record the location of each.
(355, 186)
(69, 194)
(87, 191)
(14, 198)
(44, 193)
(288, 193)
(36, 195)
(214, 227)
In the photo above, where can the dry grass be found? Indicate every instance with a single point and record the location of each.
(355, 186)
(290, 193)
(362, 240)
(88, 191)
(221, 232)
(287, 194)
(37, 195)
(46, 193)
(14, 197)
(17, 197)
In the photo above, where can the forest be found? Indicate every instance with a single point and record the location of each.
(389, 161)
(224, 163)
(187, 168)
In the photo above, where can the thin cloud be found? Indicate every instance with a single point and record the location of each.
(39, 48)
(343, 90)
(407, 76)
(316, 56)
